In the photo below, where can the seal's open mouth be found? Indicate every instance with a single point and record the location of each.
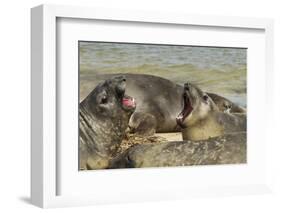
(128, 102)
(187, 109)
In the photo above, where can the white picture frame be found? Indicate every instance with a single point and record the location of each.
(44, 153)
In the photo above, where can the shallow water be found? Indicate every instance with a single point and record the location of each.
(219, 70)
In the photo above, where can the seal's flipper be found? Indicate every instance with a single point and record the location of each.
(143, 124)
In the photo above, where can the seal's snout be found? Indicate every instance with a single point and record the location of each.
(187, 106)
(121, 78)
(128, 102)
(187, 86)
(120, 84)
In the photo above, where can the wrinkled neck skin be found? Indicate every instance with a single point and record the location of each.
(203, 129)
(99, 137)
(215, 124)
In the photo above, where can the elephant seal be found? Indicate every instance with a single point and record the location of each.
(104, 116)
(201, 119)
(226, 105)
(226, 149)
(159, 101)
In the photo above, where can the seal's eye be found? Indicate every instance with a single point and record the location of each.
(226, 105)
(205, 97)
(104, 100)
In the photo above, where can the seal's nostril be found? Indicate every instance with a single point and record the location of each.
(186, 86)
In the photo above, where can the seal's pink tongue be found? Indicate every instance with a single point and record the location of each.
(130, 102)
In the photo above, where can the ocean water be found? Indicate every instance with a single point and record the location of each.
(214, 69)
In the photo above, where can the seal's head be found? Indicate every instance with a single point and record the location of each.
(196, 106)
(109, 98)
(104, 117)
(225, 105)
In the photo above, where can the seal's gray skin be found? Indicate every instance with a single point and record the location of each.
(143, 124)
(159, 100)
(227, 149)
(103, 115)
(201, 119)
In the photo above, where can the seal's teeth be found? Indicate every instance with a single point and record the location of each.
(180, 117)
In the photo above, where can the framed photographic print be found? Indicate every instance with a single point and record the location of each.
(130, 106)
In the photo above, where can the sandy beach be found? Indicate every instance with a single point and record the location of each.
(171, 136)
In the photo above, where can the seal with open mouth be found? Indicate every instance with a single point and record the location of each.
(201, 119)
(104, 115)
(159, 102)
